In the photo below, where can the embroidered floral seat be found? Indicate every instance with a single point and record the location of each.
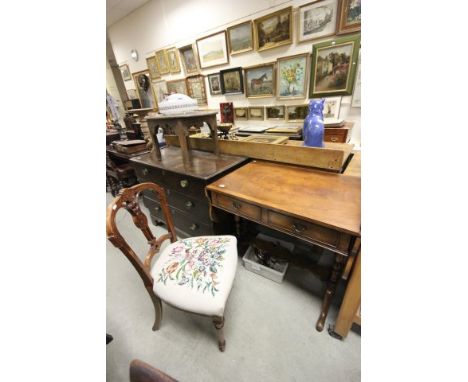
(196, 274)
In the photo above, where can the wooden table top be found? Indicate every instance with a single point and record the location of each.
(327, 199)
(189, 114)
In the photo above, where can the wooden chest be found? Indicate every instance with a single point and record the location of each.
(185, 187)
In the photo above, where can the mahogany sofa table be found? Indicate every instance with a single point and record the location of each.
(320, 208)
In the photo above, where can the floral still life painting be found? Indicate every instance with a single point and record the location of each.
(195, 264)
(292, 77)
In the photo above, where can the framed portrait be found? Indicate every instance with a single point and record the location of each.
(317, 20)
(173, 59)
(189, 60)
(240, 38)
(273, 30)
(256, 113)
(144, 90)
(124, 69)
(241, 113)
(162, 62)
(331, 108)
(356, 102)
(292, 78)
(214, 82)
(275, 112)
(160, 90)
(212, 50)
(153, 68)
(260, 80)
(296, 113)
(232, 81)
(350, 17)
(177, 86)
(196, 88)
(333, 67)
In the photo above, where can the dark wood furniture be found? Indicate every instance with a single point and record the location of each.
(317, 207)
(338, 134)
(185, 186)
(143, 372)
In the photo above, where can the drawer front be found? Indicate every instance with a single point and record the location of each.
(335, 135)
(195, 207)
(149, 174)
(184, 184)
(238, 207)
(306, 230)
(185, 223)
(154, 208)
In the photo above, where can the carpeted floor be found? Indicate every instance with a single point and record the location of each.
(269, 329)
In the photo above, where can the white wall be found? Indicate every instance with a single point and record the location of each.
(166, 23)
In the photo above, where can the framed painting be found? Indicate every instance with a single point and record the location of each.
(317, 20)
(212, 50)
(196, 88)
(275, 112)
(144, 90)
(189, 61)
(177, 86)
(350, 17)
(153, 68)
(240, 38)
(256, 113)
(292, 77)
(296, 113)
(333, 67)
(173, 59)
(260, 80)
(241, 113)
(356, 102)
(124, 69)
(214, 82)
(162, 62)
(160, 90)
(273, 30)
(331, 108)
(232, 81)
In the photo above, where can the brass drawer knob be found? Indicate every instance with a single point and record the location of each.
(193, 227)
(236, 205)
(298, 227)
(334, 139)
(145, 171)
(184, 183)
(188, 204)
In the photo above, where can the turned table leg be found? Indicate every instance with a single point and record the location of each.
(330, 291)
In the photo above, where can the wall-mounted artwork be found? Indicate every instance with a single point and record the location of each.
(275, 112)
(214, 81)
(132, 94)
(273, 30)
(296, 113)
(356, 102)
(196, 88)
(162, 62)
(232, 81)
(331, 108)
(177, 86)
(350, 16)
(317, 20)
(333, 67)
(125, 72)
(160, 90)
(145, 92)
(173, 59)
(153, 68)
(212, 50)
(240, 38)
(189, 60)
(241, 113)
(260, 80)
(292, 77)
(256, 113)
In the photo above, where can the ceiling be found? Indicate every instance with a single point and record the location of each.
(118, 9)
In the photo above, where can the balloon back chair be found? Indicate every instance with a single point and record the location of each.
(194, 274)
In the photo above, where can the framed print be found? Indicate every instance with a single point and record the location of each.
(214, 81)
(350, 17)
(273, 30)
(125, 72)
(173, 59)
(162, 62)
(132, 94)
(241, 113)
(296, 113)
(275, 112)
(196, 88)
(160, 90)
(331, 108)
(292, 77)
(144, 90)
(153, 68)
(212, 50)
(231, 81)
(356, 102)
(256, 113)
(177, 86)
(240, 38)
(317, 20)
(189, 61)
(260, 80)
(333, 67)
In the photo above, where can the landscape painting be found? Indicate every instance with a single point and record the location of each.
(317, 20)
(177, 86)
(296, 113)
(292, 77)
(350, 17)
(212, 50)
(240, 38)
(231, 81)
(273, 30)
(188, 59)
(260, 81)
(275, 112)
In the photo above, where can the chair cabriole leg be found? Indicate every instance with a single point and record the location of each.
(219, 324)
(157, 308)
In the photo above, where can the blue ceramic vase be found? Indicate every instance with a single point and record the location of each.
(313, 124)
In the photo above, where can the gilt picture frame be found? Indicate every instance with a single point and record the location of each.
(256, 113)
(212, 50)
(296, 113)
(274, 30)
(173, 60)
(162, 62)
(292, 76)
(350, 17)
(125, 70)
(241, 113)
(240, 38)
(153, 68)
(275, 112)
(144, 89)
(317, 19)
(189, 59)
(177, 86)
(196, 88)
(259, 80)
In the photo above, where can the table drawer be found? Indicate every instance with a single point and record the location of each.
(190, 205)
(149, 174)
(306, 230)
(237, 207)
(184, 184)
(335, 135)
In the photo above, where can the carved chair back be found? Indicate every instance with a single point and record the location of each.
(128, 199)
